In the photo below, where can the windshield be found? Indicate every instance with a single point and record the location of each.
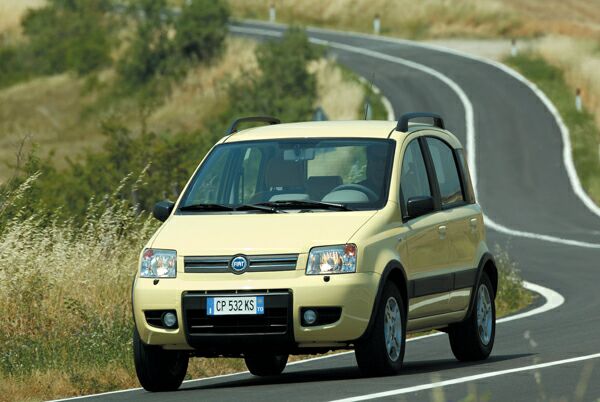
(299, 173)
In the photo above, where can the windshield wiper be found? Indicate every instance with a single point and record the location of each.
(260, 207)
(306, 204)
(222, 207)
(206, 207)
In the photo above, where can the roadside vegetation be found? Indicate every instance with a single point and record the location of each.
(103, 125)
(129, 130)
(436, 18)
(560, 39)
(65, 295)
(583, 126)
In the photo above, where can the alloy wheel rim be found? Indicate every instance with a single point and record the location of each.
(484, 315)
(392, 324)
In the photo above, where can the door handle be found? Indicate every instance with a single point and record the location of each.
(442, 231)
(473, 223)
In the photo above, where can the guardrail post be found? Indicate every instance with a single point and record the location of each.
(272, 13)
(513, 48)
(578, 103)
(376, 25)
(319, 114)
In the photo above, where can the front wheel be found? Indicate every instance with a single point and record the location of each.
(265, 364)
(158, 369)
(382, 351)
(473, 339)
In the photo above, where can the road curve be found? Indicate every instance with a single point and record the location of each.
(524, 187)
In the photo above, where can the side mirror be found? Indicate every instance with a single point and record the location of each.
(162, 210)
(418, 206)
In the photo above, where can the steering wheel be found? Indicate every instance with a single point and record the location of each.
(357, 187)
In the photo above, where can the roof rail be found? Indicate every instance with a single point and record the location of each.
(264, 119)
(405, 118)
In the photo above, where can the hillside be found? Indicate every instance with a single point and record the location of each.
(62, 116)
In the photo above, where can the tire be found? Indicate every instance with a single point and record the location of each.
(265, 364)
(372, 353)
(469, 340)
(157, 369)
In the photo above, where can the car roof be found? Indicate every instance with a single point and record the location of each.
(333, 129)
(316, 129)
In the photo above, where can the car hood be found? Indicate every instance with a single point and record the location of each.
(257, 233)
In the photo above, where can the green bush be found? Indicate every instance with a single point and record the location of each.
(201, 29)
(156, 58)
(283, 87)
(15, 65)
(69, 35)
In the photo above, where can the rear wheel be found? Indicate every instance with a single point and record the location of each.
(473, 339)
(265, 364)
(382, 351)
(158, 369)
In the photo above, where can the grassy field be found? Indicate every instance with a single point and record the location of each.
(68, 319)
(585, 135)
(437, 18)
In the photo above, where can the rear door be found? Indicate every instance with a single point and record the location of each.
(462, 217)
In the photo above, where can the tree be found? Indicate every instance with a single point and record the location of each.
(165, 45)
(70, 35)
(283, 87)
(201, 29)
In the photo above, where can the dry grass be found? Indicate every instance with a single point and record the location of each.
(428, 18)
(69, 331)
(580, 61)
(339, 96)
(11, 12)
(579, 18)
(204, 90)
(438, 18)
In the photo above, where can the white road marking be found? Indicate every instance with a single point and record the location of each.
(387, 105)
(564, 131)
(469, 121)
(552, 300)
(438, 384)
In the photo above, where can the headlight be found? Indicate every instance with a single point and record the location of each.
(332, 260)
(158, 263)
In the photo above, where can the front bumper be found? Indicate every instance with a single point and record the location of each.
(354, 293)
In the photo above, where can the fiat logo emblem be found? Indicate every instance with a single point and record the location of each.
(239, 264)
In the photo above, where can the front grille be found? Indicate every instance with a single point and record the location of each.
(256, 263)
(275, 320)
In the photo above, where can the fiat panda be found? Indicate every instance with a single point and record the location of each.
(308, 237)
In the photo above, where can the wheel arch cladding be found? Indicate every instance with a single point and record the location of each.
(487, 265)
(491, 270)
(393, 272)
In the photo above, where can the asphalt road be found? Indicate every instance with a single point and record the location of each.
(522, 185)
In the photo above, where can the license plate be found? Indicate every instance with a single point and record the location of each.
(246, 305)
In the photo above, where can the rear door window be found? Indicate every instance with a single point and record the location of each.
(446, 172)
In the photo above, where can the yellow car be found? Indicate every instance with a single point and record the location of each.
(308, 237)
